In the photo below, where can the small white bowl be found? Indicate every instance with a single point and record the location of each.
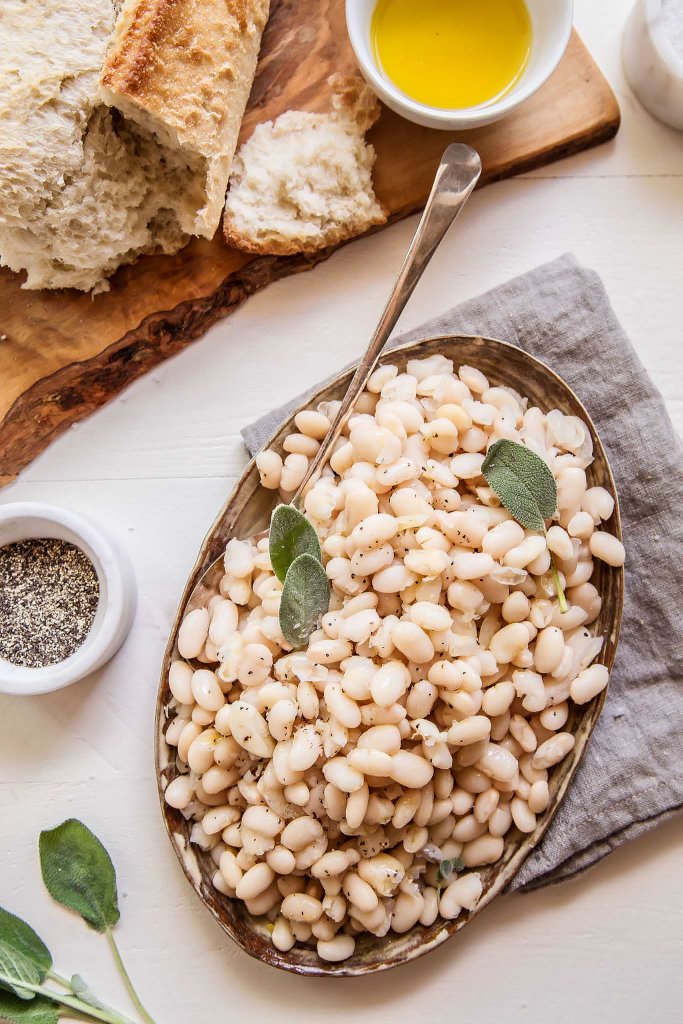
(114, 616)
(551, 22)
(652, 66)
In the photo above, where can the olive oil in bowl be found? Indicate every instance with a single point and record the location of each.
(452, 54)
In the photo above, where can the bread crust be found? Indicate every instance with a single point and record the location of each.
(183, 69)
(275, 245)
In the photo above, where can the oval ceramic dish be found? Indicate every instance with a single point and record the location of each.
(247, 511)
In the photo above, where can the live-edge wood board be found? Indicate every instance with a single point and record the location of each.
(63, 354)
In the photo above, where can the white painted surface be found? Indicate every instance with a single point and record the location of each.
(155, 466)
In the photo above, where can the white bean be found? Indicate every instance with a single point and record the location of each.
(471, 565)
(224, 618)
(346, 778)
(293, 472)
(301, 907)
(180, 682)
(300, 832)
(498, 698)
(412, 641)
(516, 607)
(589, 683)
(306, 748)
(254, 881)
(376, 763)
(344, 709)
(523, 817)
(313, 424)
(250, 729)
(607, 548)
(179, 792)
(411, 770)
(553, 750)
(421, 699)
(282, 936)
(549, 650)
(471, 730)
(269, 465)
(599, 503)
(329, 652)
(206, 690)
(334, 950)
(263, 820)
(281, 860)
(559, 542)
(581, 525)
(525, 553)
(486, 849)
(389, 683)
(200, 752)
(539, 797)
(281, 718)
(193, 632)
(463, 892)
(498, 762)
(509, 642)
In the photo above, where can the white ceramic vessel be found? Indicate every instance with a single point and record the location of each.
(651, 64)
(115, 610)
(551, 22)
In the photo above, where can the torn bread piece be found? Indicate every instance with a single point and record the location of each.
(304, 181)
(85, 186)
(182, 70)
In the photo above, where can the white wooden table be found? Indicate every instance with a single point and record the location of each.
(156, 465)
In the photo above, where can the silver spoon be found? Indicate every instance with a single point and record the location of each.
(455, 179)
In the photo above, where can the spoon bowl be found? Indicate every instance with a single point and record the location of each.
(247, 512)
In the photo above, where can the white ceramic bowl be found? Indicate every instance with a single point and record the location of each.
(652, 66)
(551, 22)
(115, 610)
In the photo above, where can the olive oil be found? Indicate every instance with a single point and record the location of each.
(452, 54)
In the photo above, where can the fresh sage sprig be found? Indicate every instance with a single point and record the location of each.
(25, 966)
(526, 488)
(296, 558)
(79, 874)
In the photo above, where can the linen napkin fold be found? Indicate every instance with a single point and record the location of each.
(631, 776)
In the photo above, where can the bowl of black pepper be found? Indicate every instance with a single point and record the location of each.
(67, 597)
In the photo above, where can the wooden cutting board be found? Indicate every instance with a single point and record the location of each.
(63, 354)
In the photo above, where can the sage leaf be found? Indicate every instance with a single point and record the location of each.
(448, 868)
(79, 874)
(18, 1011)
(23, 955)
(305, 597)
(83, 992)
(291, 535)
(522, 481)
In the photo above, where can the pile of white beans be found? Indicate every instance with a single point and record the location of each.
(424, 717)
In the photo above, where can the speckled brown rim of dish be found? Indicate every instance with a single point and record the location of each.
(246, 511)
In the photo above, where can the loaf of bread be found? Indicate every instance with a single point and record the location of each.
(304, 181)
(92, 175)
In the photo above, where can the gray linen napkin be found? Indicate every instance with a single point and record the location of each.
(631, 776)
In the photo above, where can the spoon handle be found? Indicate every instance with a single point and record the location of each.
(457, 175)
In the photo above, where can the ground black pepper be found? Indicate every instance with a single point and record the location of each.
(49, 593)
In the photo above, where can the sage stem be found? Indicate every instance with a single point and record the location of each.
(126, 978)
(64, 982)
(85, 1009)
(559, 590)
